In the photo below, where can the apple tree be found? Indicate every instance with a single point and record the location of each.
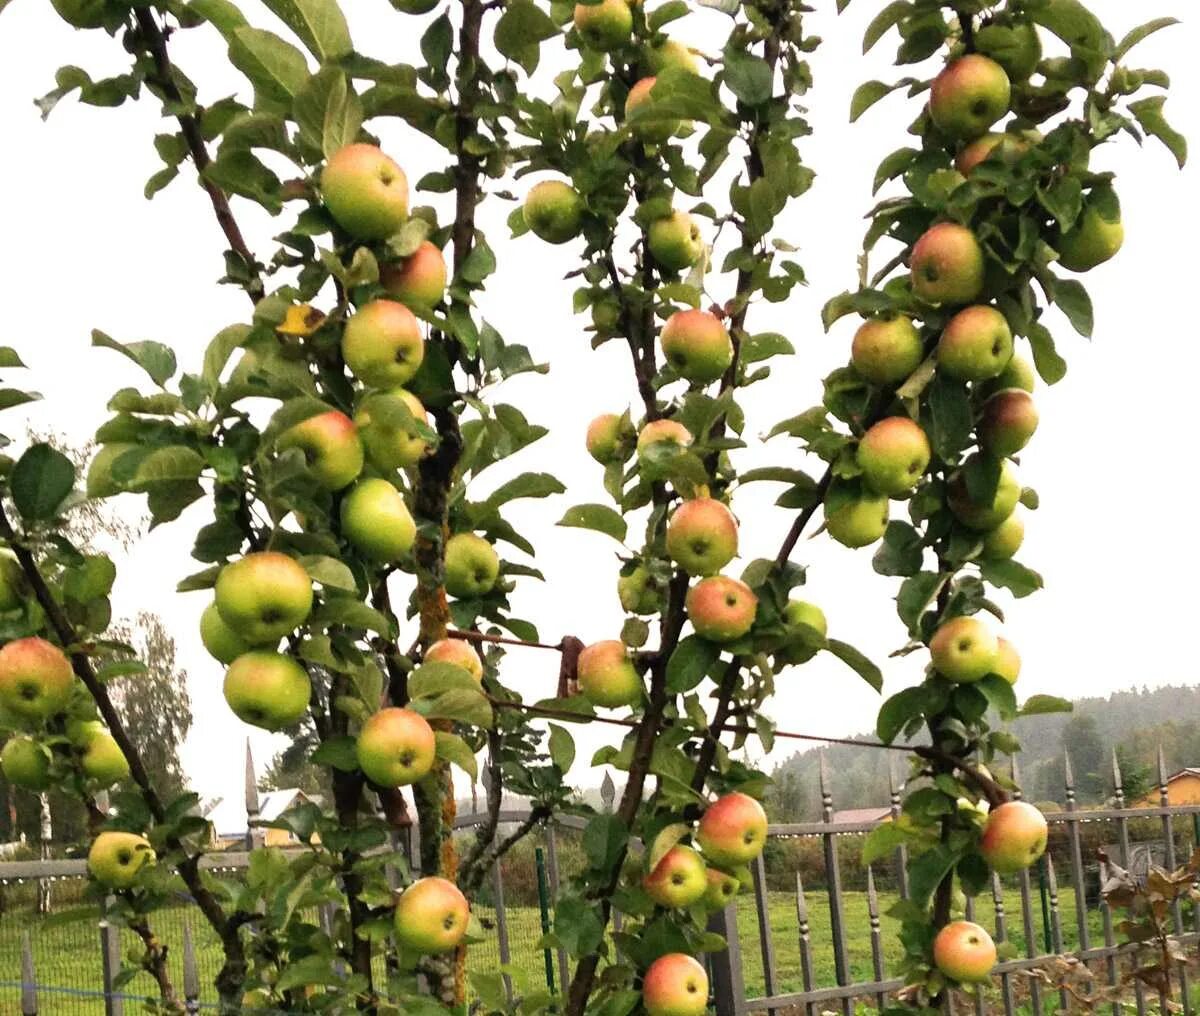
(359, 598)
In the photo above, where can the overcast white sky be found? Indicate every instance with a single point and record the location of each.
(1115, 537)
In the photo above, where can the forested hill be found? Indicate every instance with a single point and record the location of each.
(1133, 722)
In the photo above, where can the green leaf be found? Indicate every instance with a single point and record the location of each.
(1014, 577)
(220, 349)
(690, 663)
(907, 704)
(1072, 299)
(1150, 115)
(221, 14)
(9, 357)
(352, 613)
(562, 747)
(763, 346)
(154, 358)
(603, 841)
(455, 750)
(328, 111)
(338, 752)
(857, 662)
(598, 517)
(276, 68)
(1136, 35)
(464, 705)
(870, 92)
(329, 572)
(885, 19)
(749, 77)
(1000, 696)
(319, 24)
(883, 841)
(165, 466)
(950, 407)
(1038, 705)
(901, 552)
(40, 481)
(1051, 367)
(577, 926)
(525, 485)
(520, 30)
(1071, 21)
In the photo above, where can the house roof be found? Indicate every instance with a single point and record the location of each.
(228, 815)
(861, 814)
(1186, 771)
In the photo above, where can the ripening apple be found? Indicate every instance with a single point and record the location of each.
(419, 280)
(457, 653)
(472, 565)
(264, 596)
(365, 191)
(1095, 238)
(396, 747)
(12, 582)
(100, 482)
(385, 425)
(1008, 661)
(732, 830)
(982, 517)
(976, 344)
(604, 26)
(82, 13)
(678, 880)
(964, 649)
(640, 116)
(553, 208)
(115, 858)
(223, 644)
(1016, 47)
(721, 608)
(968, 96)
(35, 678)
(382, 344)
(799, 613)
(638, 592)
(697, 345)
(722, 889)
(267, 689)
(1007, 147)
(102, 759)
(1007, 422)
(607, 676)
(675, 241)
(432, 916)
(963, 951)
(610, 438)
(331, 446)
(675, 985)
(672, 55)
(25, 763)
(886, 350)
(1005, 540)
(702, 536)
(663, 432)
(947, 264)
(377, 522)
(1014, 837)
(856, 520)
(893, 455)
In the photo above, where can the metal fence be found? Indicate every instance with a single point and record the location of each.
(813, 935)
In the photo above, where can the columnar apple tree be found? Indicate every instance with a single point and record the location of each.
(359, 600)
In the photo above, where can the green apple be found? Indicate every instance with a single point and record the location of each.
(638, 591)
(100, 481)
(610, 438)
(331, 446)
(1016, 47)
(419, 280)
(1007, 422)
(1014, 837)
(675, 241)
(672, 55)
(604, 26)
(82, 13)
(264, 596)
(893, 455)
(972, 513)
(963, 951)
(25, 764)
(968, 96)
(35, 678)
(1018, 374)
(607, 676)
(1096, 236)
(396, 747)
(722, 889)
(414, 6)
(81, 730)
(223, 644)
(976, 344)
(472, 565)
(115, 858)
(382, 344)
(606, 316)
(267, 689)
(702, 536)
(662, 432)
(887, 350)
(365, 191)
(947, 264)
(377, 522)
(678, 880)
(675, 985)
(732, 830)
(721, 609)
(697, 345)
(640, 115)
(103, 761)
(12, 582)
(1008, 661)
(432, 916)
(801, 614)
(554, 210)
(1005, 540)
(457, 653)
(385, 422)
(855, 519)
(964, 649)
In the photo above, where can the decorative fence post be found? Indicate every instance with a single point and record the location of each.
(895, 789)
(728, 987)
(552, 871)
(833, 879)
(29, 1001)
(191, 975)
(110, 964)
(1168, 828)
(252, 806)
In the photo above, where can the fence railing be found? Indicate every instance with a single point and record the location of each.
(812, 935)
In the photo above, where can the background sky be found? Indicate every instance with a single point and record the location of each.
(1114, 460)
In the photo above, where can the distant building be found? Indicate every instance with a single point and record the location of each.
(1183, 787)
(227, 819)
(857, 816)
